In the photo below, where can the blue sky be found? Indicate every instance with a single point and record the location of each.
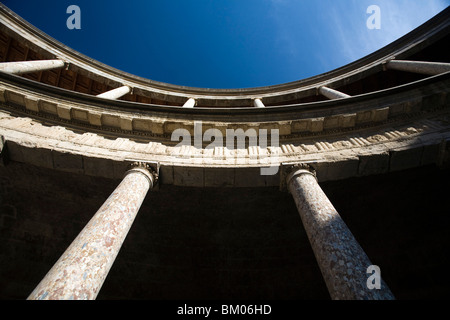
(227, 43)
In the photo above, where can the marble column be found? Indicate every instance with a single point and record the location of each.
(81, 270)
(115, 93)
(332, 94)
(342, 261)
(189, 104)
(258, 103)
(423, 67)
(20, 67)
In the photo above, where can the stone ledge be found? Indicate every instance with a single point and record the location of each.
(334, 169)
(378, 150)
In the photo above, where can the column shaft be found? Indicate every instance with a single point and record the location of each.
(81, 270)
(332, 94)
(258, 103)
(189, 104)
(20, 67)
(115, 93)
(342, 261)
(424, 67)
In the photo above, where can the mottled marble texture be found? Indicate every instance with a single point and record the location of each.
(342, 261)
(82, 269)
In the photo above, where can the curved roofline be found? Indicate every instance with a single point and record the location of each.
(403, 46)
(326, 106)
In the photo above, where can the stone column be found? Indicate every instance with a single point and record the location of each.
(332, 94)
(342, 261)
(20, 67)
(189, 104)
(258, 103)
(115, 93)
(424, 67)
(81, 270)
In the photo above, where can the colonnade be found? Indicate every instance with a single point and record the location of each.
(422, 67)
(23, 67)
(82, 269)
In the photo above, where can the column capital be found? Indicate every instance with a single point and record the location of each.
(150, 170)
(290, 170)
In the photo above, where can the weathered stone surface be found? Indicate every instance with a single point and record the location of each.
(219, 177)
(64, 112)
(405, 158)
(373, 164)
(38, 156)
(68, 162)
(32, 103)
(188, 176)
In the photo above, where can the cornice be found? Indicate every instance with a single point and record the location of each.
(85, 112)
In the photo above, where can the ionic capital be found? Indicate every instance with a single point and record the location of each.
(290, 170)
(145, 168)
